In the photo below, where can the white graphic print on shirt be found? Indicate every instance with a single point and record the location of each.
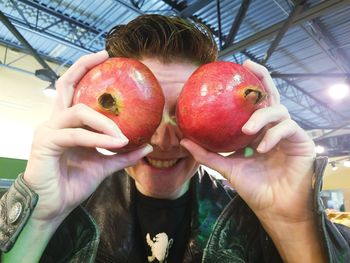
(160, 245)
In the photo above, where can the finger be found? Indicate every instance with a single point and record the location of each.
(74, 137)
(65, 84)
(264, 116)
(81, 115)
(120, 161)
(264, 76)
(212, 160)
(288, 130)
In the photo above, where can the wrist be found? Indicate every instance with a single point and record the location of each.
(36, 234)
(296, 241)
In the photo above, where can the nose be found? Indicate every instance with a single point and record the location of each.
(167, 136)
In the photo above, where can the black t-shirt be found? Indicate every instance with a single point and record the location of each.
(164, 227)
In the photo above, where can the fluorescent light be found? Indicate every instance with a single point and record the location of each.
(319, 149)
(334, 167)
(50, 91)
(339, 91)
(347, 163)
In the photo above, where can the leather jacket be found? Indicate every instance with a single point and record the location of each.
(223, 227)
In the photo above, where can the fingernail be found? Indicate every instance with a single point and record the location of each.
(118, 134)
(248, 127)
(123, 138)
(261, 147)
(122, 141)
(147, 149)
(103, 53)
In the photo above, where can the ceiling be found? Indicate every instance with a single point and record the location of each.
(304, 44)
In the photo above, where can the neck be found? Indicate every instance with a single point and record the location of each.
(163, 195)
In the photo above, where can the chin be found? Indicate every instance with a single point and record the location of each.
(168, 179)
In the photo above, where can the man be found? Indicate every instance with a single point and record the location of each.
(163, 207)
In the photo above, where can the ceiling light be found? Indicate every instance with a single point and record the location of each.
(46, 74)
(339, 91)
(334, 167)
(347, 163)
(319, 149)
(50, 91)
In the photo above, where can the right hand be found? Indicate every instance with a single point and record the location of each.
(64, 167)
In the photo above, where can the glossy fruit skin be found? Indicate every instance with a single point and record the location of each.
(126, 91)
(214, 104)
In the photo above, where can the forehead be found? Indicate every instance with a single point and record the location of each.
(171, 76)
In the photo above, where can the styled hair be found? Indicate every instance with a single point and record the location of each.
(166, 38)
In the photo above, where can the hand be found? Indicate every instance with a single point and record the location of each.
(64, 167)
(276, 180)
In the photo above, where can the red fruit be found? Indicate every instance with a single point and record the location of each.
(127, 92)
(215, 103)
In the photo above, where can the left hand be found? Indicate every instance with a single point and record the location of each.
(276, 181)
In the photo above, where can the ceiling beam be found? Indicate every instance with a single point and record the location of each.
(286, 25)
(178, 7)
(298, 95)
(323, 38)
(309, 75)
(237, 23)
(304, 98)
(26, 44)
(54, 13)
(20, 12)
(313, 12)
(191, 9)
(53, 37)
(22, 49)
(337, 145)
(218, 12)
(129, 6)
(69, 38)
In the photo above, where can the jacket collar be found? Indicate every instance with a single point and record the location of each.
(113, 208)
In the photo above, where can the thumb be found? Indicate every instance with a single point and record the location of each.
(122, 160)
(212, 160)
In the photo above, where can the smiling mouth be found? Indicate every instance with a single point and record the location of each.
(161, 164)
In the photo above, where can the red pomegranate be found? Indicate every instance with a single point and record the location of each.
(127, 92)
(214, 104)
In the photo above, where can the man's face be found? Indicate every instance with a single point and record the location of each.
(165, 172)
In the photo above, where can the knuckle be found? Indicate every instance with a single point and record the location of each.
(284, 110)
(264, 70)
(74, 133)
(257, 113)
(271, 132)
(82, 60)
(78, 109)
(59, 82)
(75, 136)
(293, 124)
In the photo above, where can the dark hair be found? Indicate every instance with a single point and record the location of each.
(167, 38)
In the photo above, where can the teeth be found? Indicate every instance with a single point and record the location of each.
(161, 163)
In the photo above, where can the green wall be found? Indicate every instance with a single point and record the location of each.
(10, 168)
